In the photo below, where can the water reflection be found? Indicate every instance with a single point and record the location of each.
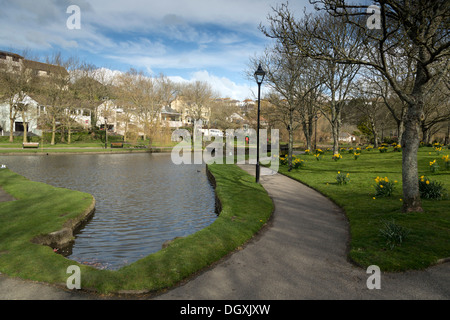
(142, 200)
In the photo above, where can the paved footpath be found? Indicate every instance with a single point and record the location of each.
(301, 254)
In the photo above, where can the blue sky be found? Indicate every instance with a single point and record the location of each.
(206, 40)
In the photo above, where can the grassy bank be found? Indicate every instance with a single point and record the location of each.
(428, 237)
(42, 209)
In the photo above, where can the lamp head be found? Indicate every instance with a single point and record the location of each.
(259, 75)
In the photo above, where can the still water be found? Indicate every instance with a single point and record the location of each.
(142, 200)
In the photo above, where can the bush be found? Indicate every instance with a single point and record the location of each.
(284, 161)
(431, 189)
(297, 163)
(384, 187)
(342, 178)
(434, 166)
(393, 234)
(336, 157)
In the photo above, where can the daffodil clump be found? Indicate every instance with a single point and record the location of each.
(356, 155)
(431, 189)
(397, 148)
(297, 162)
(438, 150)
(369, 148)
(382, 149)
(318, 156)
(342, 178)
(337, 157)
(434, 166)
(283, 161)
(438, 147)
(384, 187)
(446, 162)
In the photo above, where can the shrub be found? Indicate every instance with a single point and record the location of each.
(446, 162)
(284, 161)
(384, 187)
(297, 163)
(342, 178)
(393, 234)
(434, 166)
(431, 189)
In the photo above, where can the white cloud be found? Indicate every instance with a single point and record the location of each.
(224, 87)
(212, 38)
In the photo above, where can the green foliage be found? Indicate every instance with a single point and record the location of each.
(342, 178)
(431, 189)
(393, 234)
(384, 187)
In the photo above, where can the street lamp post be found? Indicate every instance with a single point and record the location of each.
(259, 77)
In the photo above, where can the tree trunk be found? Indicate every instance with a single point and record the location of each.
(400, 129)
(307, 131)
(25, 128)
(335, 132)
(11, 130)
(410, 146)
(291, 137)
(53, 131)
(425, 133)
(69, 133)
(374, 132)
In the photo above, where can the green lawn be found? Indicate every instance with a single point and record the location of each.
(42, 209)
(429, 232)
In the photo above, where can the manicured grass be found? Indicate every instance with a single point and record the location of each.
(246, 207)
(429, 237)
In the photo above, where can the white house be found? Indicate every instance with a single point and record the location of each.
(347, 137)
(32, 114)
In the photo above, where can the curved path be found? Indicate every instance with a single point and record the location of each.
(301, 254)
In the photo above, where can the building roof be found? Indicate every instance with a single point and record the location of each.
(49, 68)
(15, 55)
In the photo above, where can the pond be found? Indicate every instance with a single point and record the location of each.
(142, 200)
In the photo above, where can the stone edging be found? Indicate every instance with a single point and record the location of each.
(212, 180)
(65, 235)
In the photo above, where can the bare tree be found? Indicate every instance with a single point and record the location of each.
(198, 96)
(414, 29)
(16, 84)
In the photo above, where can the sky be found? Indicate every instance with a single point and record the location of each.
(207, 40)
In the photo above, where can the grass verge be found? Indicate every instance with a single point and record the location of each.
(41, 208)
(428, 239)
